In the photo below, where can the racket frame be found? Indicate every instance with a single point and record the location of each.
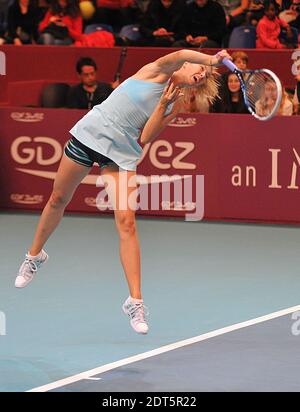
(239, 73)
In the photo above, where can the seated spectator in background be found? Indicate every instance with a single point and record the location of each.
(235, 11)
(267, 100)
(116, 13)
(240, 59)
(269, 28)
(284, 4)
(255, 11)
(286, 105)
(44, 5)
(162, 23)
(62, 24)
(231, 97)
(139, 9)
(204, 25)
(89, 92)
(22, 22)
(292, 14)
(3, 18)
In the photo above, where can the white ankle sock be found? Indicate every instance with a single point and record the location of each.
(36, 257)
(133, 300)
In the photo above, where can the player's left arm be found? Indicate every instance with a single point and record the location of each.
(159, 119)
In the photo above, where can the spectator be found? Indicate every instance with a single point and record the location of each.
(89, 92)
(205, 25)
(231, 97)
(43, 6)
(235, 11)
(292, 14)
(283, 4)
(116, 13)
(4, 4)
(255, 11)
(62, 24)
(266, 102)
(296, 97)
(163, 23)
(286, 105)
(269, 28)
(240, 59)
(139, 9)
(22, 22)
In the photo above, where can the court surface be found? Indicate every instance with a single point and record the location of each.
(201, 281)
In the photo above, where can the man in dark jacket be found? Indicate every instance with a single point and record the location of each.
(162, 23)
(205, 25)
(89, 92)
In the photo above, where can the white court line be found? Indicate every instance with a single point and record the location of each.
(92, 379)
(101, 369)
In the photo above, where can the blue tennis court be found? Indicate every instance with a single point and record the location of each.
(201, 281)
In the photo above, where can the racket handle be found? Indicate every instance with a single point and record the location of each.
(231, 66)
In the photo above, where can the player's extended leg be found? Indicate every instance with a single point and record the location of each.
(68, 177)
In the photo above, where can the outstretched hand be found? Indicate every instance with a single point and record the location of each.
(218, 58)
(170, 94)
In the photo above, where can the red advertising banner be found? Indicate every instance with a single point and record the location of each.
(212, 166)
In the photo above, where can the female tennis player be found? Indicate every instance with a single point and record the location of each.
(139, 108)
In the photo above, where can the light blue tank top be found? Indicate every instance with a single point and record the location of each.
(113, 127)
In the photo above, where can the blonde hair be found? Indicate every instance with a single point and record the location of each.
(285, 98)
(199, 98)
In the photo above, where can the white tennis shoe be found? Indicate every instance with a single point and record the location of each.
(29, 268)
(137, 313)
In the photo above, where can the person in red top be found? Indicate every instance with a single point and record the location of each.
(269, 28)
(62, 24)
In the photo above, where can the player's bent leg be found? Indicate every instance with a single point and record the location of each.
(121, 186)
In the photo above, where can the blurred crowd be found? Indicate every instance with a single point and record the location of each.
(161, 23)
(176, 23)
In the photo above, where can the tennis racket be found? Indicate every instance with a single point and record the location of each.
(262, 90)
(121, 63)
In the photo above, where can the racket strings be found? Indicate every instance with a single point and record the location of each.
(262, 93)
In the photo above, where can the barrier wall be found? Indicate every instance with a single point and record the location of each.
(28, 93)
(250, 168)
(58, 63)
